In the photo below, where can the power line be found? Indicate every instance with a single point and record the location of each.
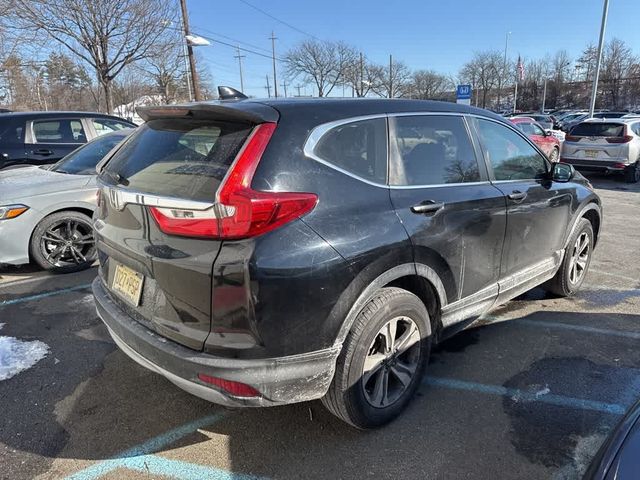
(278, 20)
(240, 42)
(235, 47)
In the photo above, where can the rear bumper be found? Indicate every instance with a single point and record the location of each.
(596, 165)
(291, 379)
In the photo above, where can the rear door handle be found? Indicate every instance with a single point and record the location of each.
(517, 196)
(428, 206)
(42, 151)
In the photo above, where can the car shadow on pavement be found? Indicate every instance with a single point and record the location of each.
(611, 182)
(445, 432)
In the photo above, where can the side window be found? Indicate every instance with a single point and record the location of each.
(358, 147)
(431, 150)
(537, 130)
(104, 125)
(11, 132)
(59, 131)
(510, 155)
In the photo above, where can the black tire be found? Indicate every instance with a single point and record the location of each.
(632, 173)
(554, 156)
(563, 283)
(347, 397)
(51, 233)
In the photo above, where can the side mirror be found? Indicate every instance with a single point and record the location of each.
(562, 172)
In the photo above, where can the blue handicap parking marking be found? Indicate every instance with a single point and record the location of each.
(40, 296)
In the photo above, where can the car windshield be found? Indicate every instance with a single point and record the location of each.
(593, 129)
(83, 161)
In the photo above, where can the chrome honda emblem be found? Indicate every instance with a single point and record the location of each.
(116, 199)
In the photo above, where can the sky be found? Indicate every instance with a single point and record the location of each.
(425, 34)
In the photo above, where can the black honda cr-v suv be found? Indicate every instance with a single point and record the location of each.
(264, 252)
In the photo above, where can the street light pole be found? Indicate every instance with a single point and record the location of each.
(504, 64)
(544, 95)
(594, 89)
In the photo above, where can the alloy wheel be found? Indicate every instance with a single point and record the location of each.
(67, 242)
(579, 258)
(391, 362)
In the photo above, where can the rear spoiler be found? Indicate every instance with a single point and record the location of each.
(235, 111)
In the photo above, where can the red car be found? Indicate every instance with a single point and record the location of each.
(546, 142)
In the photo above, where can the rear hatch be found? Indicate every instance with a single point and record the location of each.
(597, 141)
(157, 195)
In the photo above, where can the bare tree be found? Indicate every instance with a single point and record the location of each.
(107, 34)
(322, 63)
(391, 80)
(165, 68)
(617, 64)
(428, 84)
(360, 75)
(483, 72)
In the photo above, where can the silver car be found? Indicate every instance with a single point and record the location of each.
(45, 212)
(605, 145)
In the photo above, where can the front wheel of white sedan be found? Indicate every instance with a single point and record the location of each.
(63, 242)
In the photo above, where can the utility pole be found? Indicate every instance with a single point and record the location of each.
(267, 86)
(284, 85)
(192, 60)
(240, 57)
(390, 76)
(594, 89)
(273, 57)
(299, 87)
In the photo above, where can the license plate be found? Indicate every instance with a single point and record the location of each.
(591, 153)
(127, 283)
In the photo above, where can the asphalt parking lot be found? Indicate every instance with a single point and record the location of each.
(530, 391)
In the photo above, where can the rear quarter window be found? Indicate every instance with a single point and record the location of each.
(359, 147)
(179, 158)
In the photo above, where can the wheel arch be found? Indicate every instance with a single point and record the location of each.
(419, 279)
(592, 211)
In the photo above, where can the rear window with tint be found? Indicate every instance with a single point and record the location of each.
(589, 129)
(11, 132)
(179, 157)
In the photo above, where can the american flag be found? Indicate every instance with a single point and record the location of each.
(520, 69)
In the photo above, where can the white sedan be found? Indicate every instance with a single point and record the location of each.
(45, 212)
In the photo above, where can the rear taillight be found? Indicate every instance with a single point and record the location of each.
(571, 138)
(623, 139)
(236, 389)
(240, 211)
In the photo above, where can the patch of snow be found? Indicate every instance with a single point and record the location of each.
(17, 355)
(1, 325)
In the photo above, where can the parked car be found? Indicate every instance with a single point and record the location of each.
(567, 126)
(545, 121)
(548, 143)
(606, 146)
(41, 138)
(45, 212)
(569, 118)
(265, 252)
(619, 456)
